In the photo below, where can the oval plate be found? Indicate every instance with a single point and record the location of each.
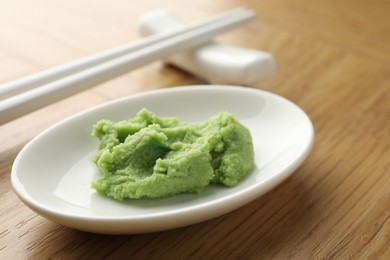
(53, 172)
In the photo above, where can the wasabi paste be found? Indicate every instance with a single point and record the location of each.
(152, 157)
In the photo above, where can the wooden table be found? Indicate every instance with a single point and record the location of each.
(333, 61)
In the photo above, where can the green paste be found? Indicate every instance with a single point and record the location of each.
(152, 157)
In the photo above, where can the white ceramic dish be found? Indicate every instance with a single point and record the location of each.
(53, 172)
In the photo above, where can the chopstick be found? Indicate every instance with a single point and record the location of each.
(44, 77)
(26, 95)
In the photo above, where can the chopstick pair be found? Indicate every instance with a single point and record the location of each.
(33, 92)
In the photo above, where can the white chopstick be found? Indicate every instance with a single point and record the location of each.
(49, 75)
(80, 75)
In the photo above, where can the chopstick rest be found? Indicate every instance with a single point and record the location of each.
(214, 62)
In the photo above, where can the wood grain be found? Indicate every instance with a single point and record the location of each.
(333, 61)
